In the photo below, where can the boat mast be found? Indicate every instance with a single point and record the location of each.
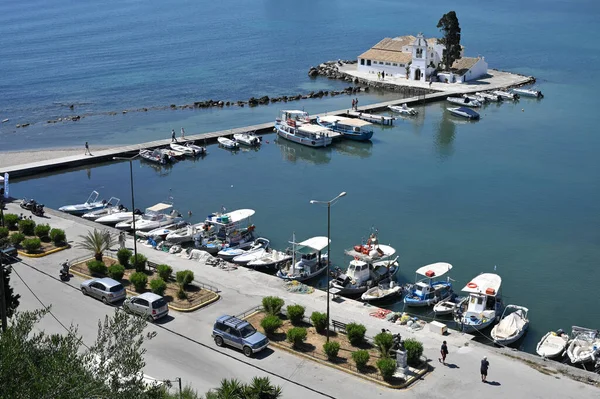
(293, 253)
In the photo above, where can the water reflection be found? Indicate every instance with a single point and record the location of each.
(360, 149)
(161, 170)
(293, 152)
(444, 136)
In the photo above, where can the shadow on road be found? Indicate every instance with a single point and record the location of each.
(452, 366)
(494, 383)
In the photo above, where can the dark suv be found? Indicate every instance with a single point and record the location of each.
(229, 330)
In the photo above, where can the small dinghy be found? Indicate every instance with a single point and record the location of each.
(512, 326)
(383, 291)
(553, 344)
(476, 97)
(171, 153)
(402, 109)
(489, 97)
(448, 305)
(227, 143)
(506, 95)
(528, 93)
(186, 151)
(199, 149)
(464, 112)
(585, 345)
(464, 101)
(90, 205)
(248, 138)
(155, 156)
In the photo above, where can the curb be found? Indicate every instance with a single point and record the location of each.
(42, 254)
(133, 293)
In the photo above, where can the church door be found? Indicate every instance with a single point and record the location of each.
(418, 74)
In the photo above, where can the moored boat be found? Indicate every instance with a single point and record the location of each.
(488, 96)
(528, 93)
(464, 112)
(378, 119)
(402, 109)
(385, 290)
(256, 251)
(312, 261)
(506, 95)
(305, 134)
(484, 305)
(428, 290)
(512, 326)
(448, 305)
(229, 253)
(584, 346)
(232, 229)
(186, 151)
(228, 143)
(112, 206)
(350, 128)
(119, 217)
(200, 150)
(247, 138)
(163, 231)
(90, 205)
(553, 344)
(272, 259)
(153, 218)
(187, 233)
(155, 156)
(464, 101)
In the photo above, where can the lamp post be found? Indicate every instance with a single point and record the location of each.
(132, 198)
(328, 246)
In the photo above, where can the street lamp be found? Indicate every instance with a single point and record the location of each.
(342, 194)
(132, 198)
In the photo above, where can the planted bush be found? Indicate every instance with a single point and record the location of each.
(296, 336)
(331, 349)
(31, 245)
(4, 232)
(58, 237)
(319, 320)
(42, 231)
(272, 304)
(123, 255)
(181, 294)
(116, 272)
(97, 267)
(384, 341)
(11, 221)
(414, 350)
(27, 227)
(139, 281)
(158, 286)
(295, 313)
(270, 324)
(386, 367)
(164, 271)
(16, 238)
(138, 262)
(184, 277)
(361, 358)
(356, 333)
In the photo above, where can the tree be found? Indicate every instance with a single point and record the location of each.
(259, 388)
(12, 301)
(97, 242)
(448, 24)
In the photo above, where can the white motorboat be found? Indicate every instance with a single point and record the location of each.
(112, 206)
(484, 304)
(119, 217)
(427, 289)
(256, 251)
(168, 154)
(304, 133)
(90, 205)
(402, 109)
(350, 128)
(163, 231)
(553, 344)
(506, 95)
(512, 326)
(152, 218)
(298, 117)
(385, 290)
(228, 143)
(232, 229)
(471, 97)
(229, 253)
(448, 305)
(186, 151)
(187, 233)
(247, 138)
(312, 261)
(272, 259)
(199, 149)
(378, 119)
(465, 102)
(528, 93)
(584, 346)
(155, 156)
(464, 112)
(488, 96)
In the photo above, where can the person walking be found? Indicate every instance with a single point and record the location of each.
(443, 352)
(182, 133)
(484, 369)
(378, 75)
(87, 149)
(353, 104)
(382, 75)
(122, 240)
(356, 104)
(173, 138)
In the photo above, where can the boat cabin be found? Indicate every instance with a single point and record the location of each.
(358, 270)
(425, 291)
(293, 115)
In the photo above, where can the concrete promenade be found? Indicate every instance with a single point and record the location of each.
(203, 365)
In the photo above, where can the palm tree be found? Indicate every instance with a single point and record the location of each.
(261, 388)
(97, 242)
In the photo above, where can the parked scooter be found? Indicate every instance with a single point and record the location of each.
(38, 210)
(64, 271)
(27, 203)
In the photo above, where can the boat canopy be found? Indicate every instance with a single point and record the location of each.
(314, 129)
(468, 111)
(434, 270)
(484, 282)
(312, 245)
(331, 118)
(160, 207)
(355, 122)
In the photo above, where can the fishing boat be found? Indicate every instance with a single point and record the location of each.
(378, 119)
(371, 263)
(484, 304)
(200, 150)
(350, 128)
(305, 134)
(228, 143)
(155, 156)
(402, 109)
(258, 249)
(90, 205)
(488, 96)
(427, 289)
(506, 95)
(464, 112)
(528, 93)
(185, 150)
(448, 305)
(163, 231)
(112, 206)
(584, 345)
(247, 138)
(232, 229)
(272, 259)
(553, 344)
(465, 102)
(512, 326)
(187, 233)
(153, 218)
(385, 290)
(312, 261)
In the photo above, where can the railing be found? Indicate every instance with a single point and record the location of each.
(245, 313)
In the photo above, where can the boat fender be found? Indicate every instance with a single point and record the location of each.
(313, 142)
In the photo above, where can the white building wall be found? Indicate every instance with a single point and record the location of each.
(478, 70)
(396, 71)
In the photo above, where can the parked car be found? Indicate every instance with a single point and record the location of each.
(148, 305)
(106, 289)
(229, 330)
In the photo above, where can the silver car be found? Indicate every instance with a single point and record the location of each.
(148, 305)
(106, 289)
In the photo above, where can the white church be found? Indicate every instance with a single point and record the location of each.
(416, 58)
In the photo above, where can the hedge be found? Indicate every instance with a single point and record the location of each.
(123, 255)
(272, 304)
(139, 281)
(42, 231)
(27, 227)
(295, 314)
(158, 286)
(164, 271)
(97, 267)
(116, 271)
(31, 245)
(58, 236)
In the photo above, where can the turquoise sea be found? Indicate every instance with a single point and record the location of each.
(517, 191)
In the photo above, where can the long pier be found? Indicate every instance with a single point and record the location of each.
(73, 161)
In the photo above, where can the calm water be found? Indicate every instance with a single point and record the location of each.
(518, 189)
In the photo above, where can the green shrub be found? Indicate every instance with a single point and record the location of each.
(361, 358)
(27, 227)
(386, 367)
(384, 341)
(97, 267)
(331, 349)
(139, 281)
(31, 245)
(16, 238)
(164, 271)
(295, 313)
(270, 324)
(4, 242)
(272, 304)
(181, 294)
(158, 286)
(319, 320)
(356, 333)
(58, 237)
(4, 232)
(123, 255)
(11, 221)
(116, 272)
(42, 231)
(414, 350)
(184, 277)
(138, 262)
(296, 336)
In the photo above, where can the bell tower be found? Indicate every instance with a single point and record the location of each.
(419, 58)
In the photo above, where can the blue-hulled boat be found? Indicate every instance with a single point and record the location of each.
(427, 290)
(464, 112)
(351, 128)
